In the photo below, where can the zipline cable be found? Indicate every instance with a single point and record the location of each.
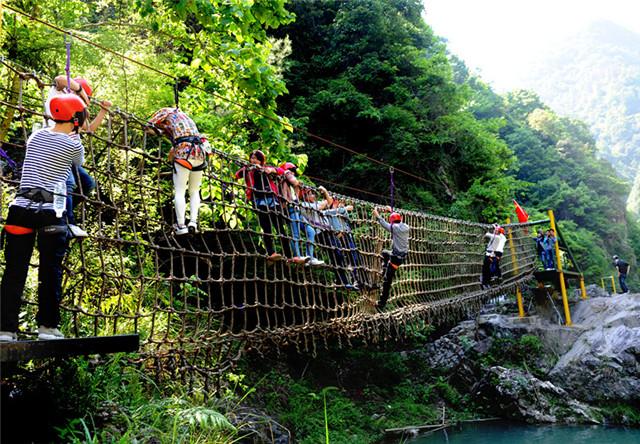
(251, 110)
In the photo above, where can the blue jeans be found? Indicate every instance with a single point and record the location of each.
(78, 175)
(298, 225)
(549, 262)
(623, 282)
(354, 257)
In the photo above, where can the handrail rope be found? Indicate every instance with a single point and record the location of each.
(251, 110)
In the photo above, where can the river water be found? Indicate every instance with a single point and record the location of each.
(500, 432)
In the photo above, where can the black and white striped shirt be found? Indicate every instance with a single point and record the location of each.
(48, 161)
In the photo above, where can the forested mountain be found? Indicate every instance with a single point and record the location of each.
(595, 76)
(372, 76)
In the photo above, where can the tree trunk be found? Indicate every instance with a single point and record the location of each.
(14, 82)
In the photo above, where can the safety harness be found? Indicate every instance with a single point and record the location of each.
(39, 196)
(193, 141)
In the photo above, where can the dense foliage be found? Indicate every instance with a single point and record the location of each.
(372, 76)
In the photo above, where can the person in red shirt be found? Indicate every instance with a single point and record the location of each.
(262, 192)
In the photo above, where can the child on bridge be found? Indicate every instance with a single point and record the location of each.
(78, 177)
(188, 155)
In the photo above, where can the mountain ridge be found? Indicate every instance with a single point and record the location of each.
(595, 76)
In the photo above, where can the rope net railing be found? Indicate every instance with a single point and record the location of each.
(198, 300)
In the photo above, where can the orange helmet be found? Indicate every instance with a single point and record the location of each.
(68, 108)
(500, 230)
(395, 217)
(84, 85)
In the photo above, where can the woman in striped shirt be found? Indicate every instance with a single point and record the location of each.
(49, 156)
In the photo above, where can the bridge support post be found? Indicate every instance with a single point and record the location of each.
(563, 286)
(602, 284)
(583, 290)
(613, 285)
(514, 262)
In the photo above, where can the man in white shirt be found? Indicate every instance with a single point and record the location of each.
(493, 254)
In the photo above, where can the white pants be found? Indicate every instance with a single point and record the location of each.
(183, 177)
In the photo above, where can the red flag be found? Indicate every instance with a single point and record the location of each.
(522, 215)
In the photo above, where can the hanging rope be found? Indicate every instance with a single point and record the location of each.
(392, 188)
(67, 69)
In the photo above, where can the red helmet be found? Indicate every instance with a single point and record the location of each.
(288, 166)
(84, 85)
(68, 108)
(395, 217)
(500, 230)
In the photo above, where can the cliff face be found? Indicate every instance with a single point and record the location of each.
(535, 370)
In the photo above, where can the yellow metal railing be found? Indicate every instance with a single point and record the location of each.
(514, 261)
(563, 286)
(613, 284)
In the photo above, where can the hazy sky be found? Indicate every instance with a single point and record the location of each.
(501, 38)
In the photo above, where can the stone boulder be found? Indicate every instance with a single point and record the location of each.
(514, 394)
(603, 364)
(255, 427)
(593, 291)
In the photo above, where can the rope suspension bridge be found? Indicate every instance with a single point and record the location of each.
(198, 300)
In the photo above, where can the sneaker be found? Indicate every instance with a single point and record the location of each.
(352, 287)
(46, 333)
(179, 230)
(192, 227)
(274, 257)
(314, 262)
(76, 231)
(298, 260)
(8, 336)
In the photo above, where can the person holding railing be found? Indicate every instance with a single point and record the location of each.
(38, 212)
(338, 217)
(312, 215)
(289, 190)
(493, 255)
(188, 155)
(392, 259)
(262, 192)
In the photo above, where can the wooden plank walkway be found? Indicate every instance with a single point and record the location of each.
(60, 348)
